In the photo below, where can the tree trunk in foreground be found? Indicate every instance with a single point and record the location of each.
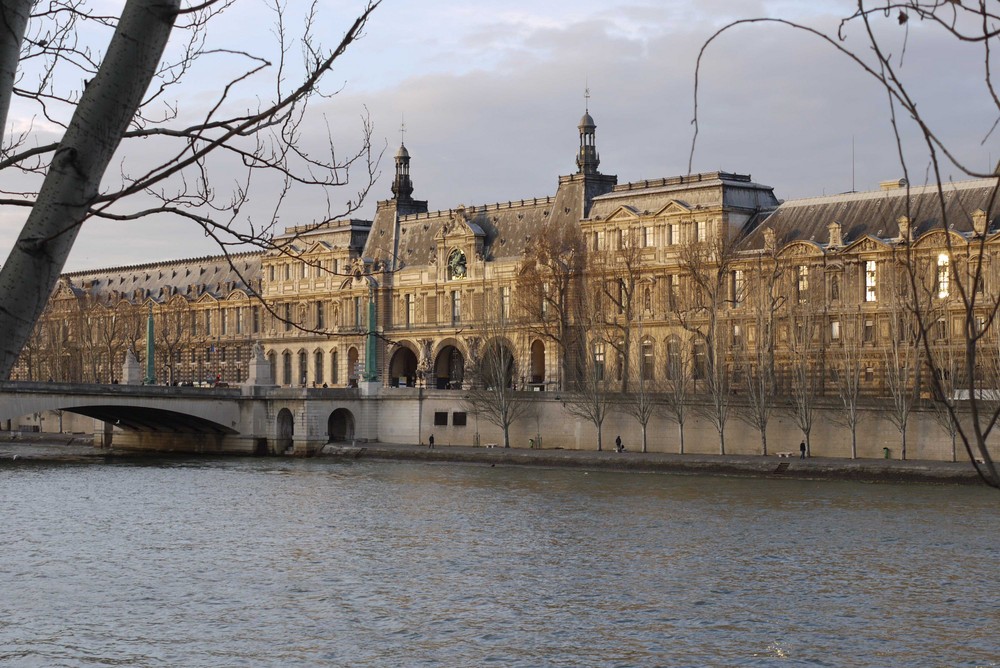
(107, 106)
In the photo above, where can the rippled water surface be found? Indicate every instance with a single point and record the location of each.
(257, 562)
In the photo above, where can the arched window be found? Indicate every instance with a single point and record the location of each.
(303, 362)
(286, 368)
(646, 366)
(334, 370)
(318, 367)
(599, 360)
(674, 368)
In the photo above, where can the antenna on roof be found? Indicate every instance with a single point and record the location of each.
(852, 164)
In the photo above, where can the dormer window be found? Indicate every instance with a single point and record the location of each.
(456, 265)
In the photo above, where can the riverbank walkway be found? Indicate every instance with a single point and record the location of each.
(48, 447)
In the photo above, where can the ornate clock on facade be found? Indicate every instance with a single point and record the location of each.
(456, 265)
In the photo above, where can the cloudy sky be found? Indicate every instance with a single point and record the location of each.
(492, 93)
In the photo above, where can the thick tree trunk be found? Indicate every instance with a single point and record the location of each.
(13, 23)
(107, 106)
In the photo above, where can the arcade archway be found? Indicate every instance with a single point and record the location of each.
(449, 369)
(403, 368)
(340, 426)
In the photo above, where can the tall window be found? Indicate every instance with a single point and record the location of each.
(318, 368)
(255, 319)
(674, 369)
(224, 321)
(647, 360)
(803, 284)
(600, 241)
(647, 237)
(701, 228)
(505, 302)
(943, 276)
(835, 330)
(288, 317)
(673, 289)
(334, 369)
(208, 322)
(303, 364)
(700, 361)
(357, 312)
(239, 320)
(869, 331)
(194, 323)
(599, 360)
(871, 277)
(738, 286)
(286, 370)
(545, 300)
(320, 315)
(411, 310)
(456, 307)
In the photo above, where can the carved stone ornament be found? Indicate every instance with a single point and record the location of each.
(836, 234)
(979, 222)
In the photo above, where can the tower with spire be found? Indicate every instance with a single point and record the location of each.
(587, 159)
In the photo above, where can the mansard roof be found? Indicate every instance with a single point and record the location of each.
(876, 214)
(692, 191)
(160, 281)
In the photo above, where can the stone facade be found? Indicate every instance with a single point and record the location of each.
(637, 283)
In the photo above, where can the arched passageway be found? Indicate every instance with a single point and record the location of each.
(449, 369)
(340, 426)
(403, 368)
(537, 362)
(286, 430)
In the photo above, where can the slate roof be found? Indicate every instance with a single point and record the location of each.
(876, 213)
(161, 281)
(709, 189)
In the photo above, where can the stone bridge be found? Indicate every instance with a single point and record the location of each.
(248, 420)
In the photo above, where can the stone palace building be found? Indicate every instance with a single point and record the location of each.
(702, 277)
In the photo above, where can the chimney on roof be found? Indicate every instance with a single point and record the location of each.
(893, 185)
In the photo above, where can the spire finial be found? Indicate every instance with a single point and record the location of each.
(402, 129)
(586, 97)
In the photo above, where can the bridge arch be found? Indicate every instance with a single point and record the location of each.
(285, 423)
(340, 426)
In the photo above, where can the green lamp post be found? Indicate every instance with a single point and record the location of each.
(150, 350)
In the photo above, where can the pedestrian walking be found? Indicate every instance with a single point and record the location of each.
(802, 450)
(618, 444)
(430, 441)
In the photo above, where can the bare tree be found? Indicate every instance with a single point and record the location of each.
(848, 372)
(806, 351)
(493, 394)
(641, 399)
(123, 102)
(678, 385)
(882, 58)
(590, 397)
(902, 357)
(617, 272)
(547, 281)
(755, 358)
(705, 264)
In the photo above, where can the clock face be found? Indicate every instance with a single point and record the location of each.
(456, 264)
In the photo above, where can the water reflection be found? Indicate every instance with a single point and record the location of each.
(310, 562)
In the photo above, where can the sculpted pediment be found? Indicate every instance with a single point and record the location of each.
(801, 249)
(865, 244)
(626, 213)
(673, 207)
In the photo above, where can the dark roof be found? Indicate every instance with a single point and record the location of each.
(876, 213)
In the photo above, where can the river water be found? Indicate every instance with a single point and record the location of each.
(277, 562)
